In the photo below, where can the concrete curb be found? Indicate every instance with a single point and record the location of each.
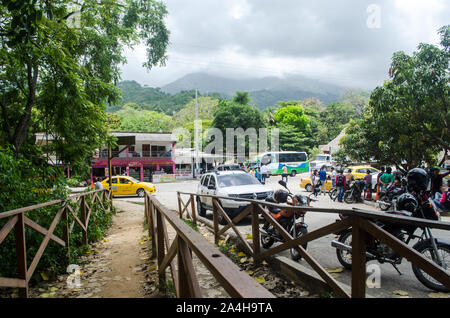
(302, 275)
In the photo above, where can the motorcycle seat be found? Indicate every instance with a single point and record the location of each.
(401, 212)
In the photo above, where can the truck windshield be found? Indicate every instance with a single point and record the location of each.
(321, 158)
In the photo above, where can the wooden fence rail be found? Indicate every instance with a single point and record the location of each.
(17, 221)
(360, 221)
(235, 282)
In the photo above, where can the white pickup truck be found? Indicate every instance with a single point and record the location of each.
(320, 161)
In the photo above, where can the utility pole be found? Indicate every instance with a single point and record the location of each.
(196, 131)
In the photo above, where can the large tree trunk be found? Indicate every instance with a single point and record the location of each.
(21, 130)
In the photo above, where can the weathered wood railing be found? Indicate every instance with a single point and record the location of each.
(235, 282)
(360, 221)
(18, 220)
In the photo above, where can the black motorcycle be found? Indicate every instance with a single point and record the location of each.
(389, 196)
(354, 194)
(294, 225)
(418, 206)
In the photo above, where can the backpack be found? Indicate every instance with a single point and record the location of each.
(340, 181)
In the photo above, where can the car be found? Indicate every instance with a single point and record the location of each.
(306, 184)
(125, 185)
(359, 172)
(233, 184)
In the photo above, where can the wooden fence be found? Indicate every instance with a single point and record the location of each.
(360, 221)
(236, 282)
(17, 221)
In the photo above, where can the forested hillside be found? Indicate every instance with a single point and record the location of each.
(304, 122)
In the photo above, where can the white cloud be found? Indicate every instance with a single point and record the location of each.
(323, 40)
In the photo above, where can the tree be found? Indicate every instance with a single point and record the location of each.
(133, 120)
(333, 119)
(57, 72)
(234, 115)
(291, 113)
(242, 98)
(207, 106)
(419, 88)
(407, 119)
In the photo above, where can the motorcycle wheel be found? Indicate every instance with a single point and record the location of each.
(383, 206)
(345, 257)
(426, 249)
(295, 255)
(266, 241)
(348, 197)
(333, 194)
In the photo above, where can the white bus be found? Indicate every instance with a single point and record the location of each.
(296, 162)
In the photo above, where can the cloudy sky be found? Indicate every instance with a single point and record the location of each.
(344, 42)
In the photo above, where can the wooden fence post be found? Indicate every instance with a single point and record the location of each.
(21, 253)
(161, 252)
(83, 219)
(215, 221)
(359, 239)
(152, 228)
(66, 231)
(255, 233)
(194, 214)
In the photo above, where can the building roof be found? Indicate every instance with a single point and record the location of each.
(147, 137)
(333, 145)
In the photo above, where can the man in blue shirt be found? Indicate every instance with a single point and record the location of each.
(323, 179)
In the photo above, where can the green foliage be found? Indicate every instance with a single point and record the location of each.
(406, 121)
(291, 113)
(242, 98)
(133, 120)
(56, 75)
(22, 184)
(149, 98)
(233, 115)
(334, 119)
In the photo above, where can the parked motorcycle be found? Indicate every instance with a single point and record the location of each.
(413, 204)
(354, 194)
(294, 225)
(389, 196)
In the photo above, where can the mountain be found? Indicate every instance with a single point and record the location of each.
(264, 92)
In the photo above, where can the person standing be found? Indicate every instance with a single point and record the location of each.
(323, 180)
(333, 177)
(340, 185)
(367, 184)
(98, 185)
(258, 174)
(316, 183)
(348, 177)
(436, 182)
(443, 201)
(264, 171)
(284, 174)
(387, 178)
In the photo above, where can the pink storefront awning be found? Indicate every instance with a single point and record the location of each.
(132, 162)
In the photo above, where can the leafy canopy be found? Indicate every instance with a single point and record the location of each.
(59, 64)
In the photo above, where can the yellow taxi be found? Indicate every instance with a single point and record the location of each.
(306, 184)
(359, 172)
(124, 185)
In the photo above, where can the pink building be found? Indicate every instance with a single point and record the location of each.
(153, 153)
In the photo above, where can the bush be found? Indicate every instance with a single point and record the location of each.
(74, 182)
(24, 184)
